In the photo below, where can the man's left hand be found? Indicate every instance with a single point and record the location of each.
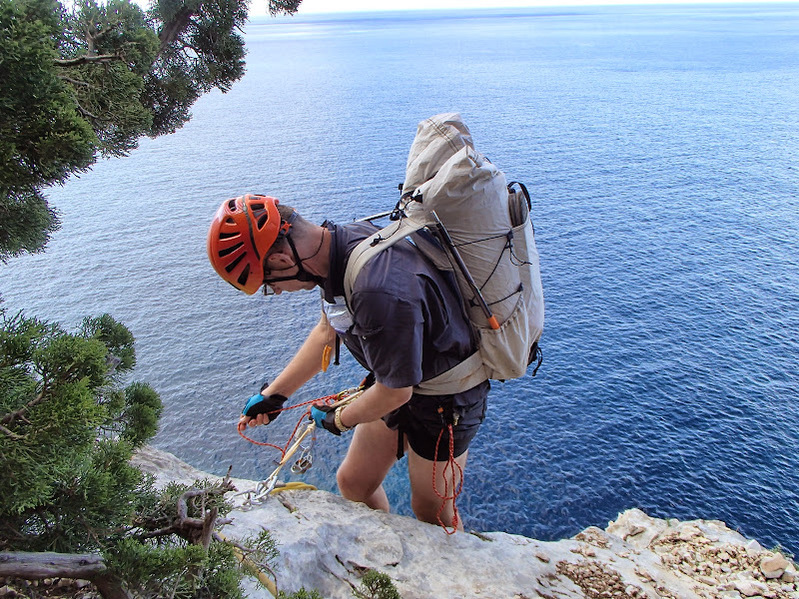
(325, 417)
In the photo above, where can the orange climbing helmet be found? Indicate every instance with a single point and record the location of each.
(242, 232)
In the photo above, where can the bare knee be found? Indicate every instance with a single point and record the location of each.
(355, 488)
(351, 487)
(425, 509)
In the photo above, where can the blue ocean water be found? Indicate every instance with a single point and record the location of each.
(660, 146)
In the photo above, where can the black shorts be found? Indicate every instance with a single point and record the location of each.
(423, 422)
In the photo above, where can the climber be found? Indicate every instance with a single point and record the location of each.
(404, 324)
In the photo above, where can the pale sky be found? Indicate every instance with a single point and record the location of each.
(258, 7)
(321, 6)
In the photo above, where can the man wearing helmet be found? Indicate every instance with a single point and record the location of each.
(404, 324)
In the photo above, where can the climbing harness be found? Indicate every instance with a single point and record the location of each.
(295, 443)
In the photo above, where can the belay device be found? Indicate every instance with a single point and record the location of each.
(483, 234)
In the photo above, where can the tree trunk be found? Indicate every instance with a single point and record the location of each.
(87, 566)
(173, 29)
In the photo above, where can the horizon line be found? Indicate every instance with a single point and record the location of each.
(430, 5)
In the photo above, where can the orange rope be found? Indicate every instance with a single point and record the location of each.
(457, 486)
(451, 464)
(328, 399)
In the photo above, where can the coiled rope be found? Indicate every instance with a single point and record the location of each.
(451, 492)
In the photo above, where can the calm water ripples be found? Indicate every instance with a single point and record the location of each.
(661, 148)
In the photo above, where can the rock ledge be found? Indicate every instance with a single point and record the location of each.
(327, 542)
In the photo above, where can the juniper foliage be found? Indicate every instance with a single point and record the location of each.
(86, 79)
(68, 430)
(376, 585)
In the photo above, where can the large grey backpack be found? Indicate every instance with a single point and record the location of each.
(482, 233)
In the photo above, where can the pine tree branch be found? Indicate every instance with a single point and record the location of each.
(175, 27)
(35, 565)
(208, 528)
(85, 112)
(11, 416)
(11, 434)
(20, 413)
(87, 59)
(77, 82)
(161, 532)
(102, 32)
(256, 569)
(195, 530)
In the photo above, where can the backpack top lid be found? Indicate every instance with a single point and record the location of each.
(437, 139)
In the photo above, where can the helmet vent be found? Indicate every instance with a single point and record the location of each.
(260, 213)
(232, 205)
(245, 274)
(223, 235)
(235, 263)
(230, 250)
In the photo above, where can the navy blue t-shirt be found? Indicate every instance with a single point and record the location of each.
(408, 322)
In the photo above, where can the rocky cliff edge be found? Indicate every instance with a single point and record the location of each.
(327, 543)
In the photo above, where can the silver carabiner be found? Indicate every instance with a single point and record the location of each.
(264, 488)
(303, 463)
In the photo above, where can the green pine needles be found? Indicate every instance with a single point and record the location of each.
(376, 585)
(85, 79)
(68, 429)
(67, 432)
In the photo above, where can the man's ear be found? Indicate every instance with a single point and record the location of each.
(279, 260)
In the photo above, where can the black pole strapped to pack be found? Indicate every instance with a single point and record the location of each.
(492, 320)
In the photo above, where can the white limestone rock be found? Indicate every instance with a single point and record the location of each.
(773, 565)
(750, 588)
(327, 543)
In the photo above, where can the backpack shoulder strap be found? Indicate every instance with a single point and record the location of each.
(373, 245)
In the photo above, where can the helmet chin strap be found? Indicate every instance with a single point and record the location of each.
(301, 274)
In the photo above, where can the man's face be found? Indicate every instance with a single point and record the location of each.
(279, 287)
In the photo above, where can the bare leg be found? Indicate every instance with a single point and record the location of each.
(425, 501)
(370, 456)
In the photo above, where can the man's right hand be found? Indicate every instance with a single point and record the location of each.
(261, 409)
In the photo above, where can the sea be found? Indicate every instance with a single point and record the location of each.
(660, 145)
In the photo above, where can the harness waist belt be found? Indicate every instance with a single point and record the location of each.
(457, 379)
